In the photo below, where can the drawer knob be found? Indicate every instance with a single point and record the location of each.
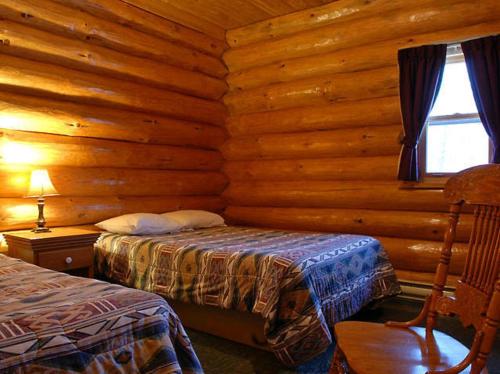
(69, 260)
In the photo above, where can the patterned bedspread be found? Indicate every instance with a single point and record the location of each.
(54, 323)
(300, 283)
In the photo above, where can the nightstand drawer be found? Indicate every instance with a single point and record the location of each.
(67, 259)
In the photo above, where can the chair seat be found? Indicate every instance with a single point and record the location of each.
(375, 348)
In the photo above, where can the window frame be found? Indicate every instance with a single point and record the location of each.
(455, 55)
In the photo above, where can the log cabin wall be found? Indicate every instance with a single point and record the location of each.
(121, 106)
(315, 123)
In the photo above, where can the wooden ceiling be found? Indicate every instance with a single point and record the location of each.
(213, 17)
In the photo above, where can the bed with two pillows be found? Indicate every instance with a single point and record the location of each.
(300, 283)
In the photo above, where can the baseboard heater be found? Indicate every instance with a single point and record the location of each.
(419, 290)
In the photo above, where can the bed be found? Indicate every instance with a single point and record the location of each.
(54, 322)
(299, 283)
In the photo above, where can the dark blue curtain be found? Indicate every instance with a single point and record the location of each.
(420, 74)
(482, 57)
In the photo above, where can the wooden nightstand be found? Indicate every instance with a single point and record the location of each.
(63, 249)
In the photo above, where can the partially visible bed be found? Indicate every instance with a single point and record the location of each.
(300, 283)
(57, 323)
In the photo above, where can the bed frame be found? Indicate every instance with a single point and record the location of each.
(241, 327)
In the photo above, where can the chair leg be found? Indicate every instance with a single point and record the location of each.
(339, 364)
(476, 344)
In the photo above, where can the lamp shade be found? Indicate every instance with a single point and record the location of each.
(40, 184)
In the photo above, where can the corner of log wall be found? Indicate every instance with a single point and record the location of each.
(297, 125)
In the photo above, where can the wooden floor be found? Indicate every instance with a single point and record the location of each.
(222, 356)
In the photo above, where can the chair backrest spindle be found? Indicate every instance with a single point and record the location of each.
(480, 264)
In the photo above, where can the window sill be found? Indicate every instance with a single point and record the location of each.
(428, 183)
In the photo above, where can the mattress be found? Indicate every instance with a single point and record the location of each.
(52, 322)
(301, 283)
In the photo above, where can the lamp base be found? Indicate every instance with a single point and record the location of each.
(40, 229)
(40, 223)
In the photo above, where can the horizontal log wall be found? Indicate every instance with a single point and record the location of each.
(87, 210)
(315, 124)
(121, 106)
(64, 19)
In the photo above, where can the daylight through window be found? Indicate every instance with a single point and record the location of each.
(455, 138)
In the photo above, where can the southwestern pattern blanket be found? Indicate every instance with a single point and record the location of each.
(300, 283)
(52, 322)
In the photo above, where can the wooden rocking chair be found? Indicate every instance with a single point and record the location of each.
(402, 347)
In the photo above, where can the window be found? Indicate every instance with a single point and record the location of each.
(454, 138)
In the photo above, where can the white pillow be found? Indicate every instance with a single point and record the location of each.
(194, 219)
(140, 224)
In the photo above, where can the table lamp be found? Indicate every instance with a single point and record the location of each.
(41, 186)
